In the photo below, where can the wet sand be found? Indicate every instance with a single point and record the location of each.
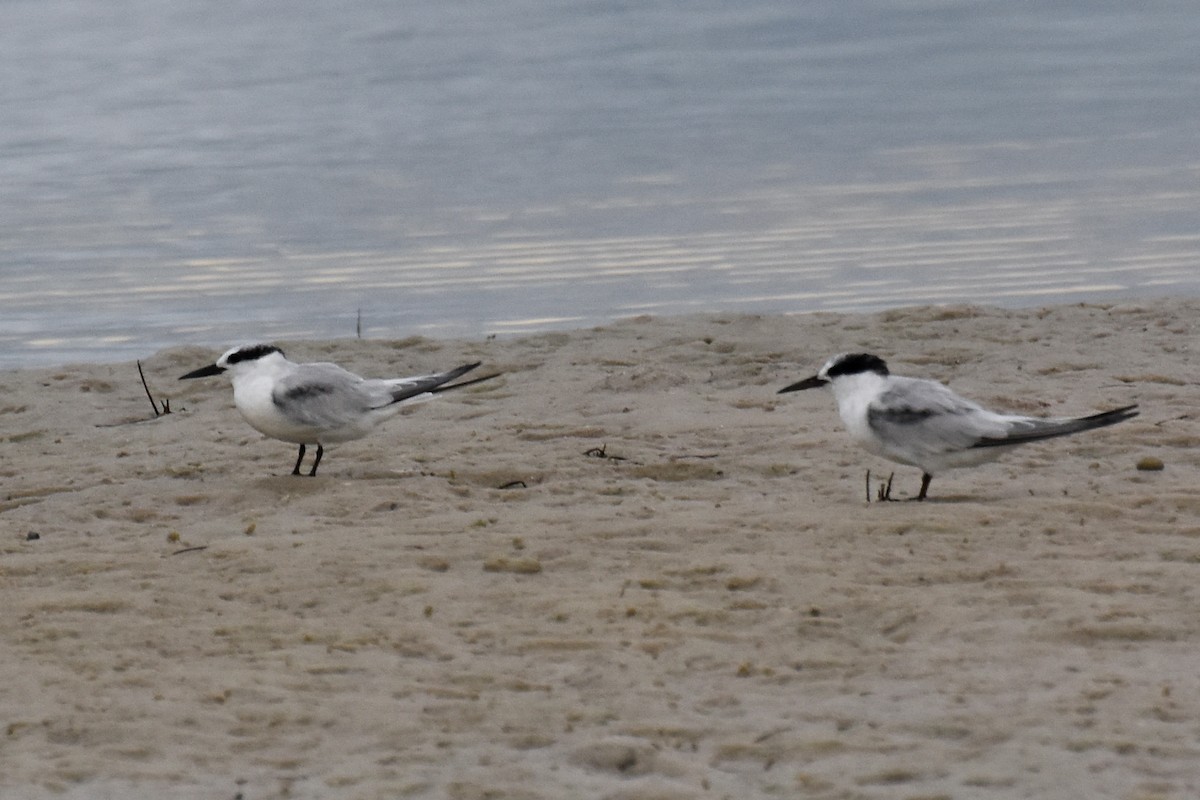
(625, 569)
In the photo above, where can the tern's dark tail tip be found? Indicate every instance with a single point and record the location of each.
(1036, 430)
(448, 386)
(458, 371)
(1113, 416)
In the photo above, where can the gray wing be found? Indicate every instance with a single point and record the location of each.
(324, 396)
(327, 396)
(926, 418)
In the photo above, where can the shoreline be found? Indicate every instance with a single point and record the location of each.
(122, 344)
(681, 593)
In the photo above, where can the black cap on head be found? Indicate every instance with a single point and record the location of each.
(252, 353)
(855, 363)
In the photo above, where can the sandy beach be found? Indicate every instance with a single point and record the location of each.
(626, 569)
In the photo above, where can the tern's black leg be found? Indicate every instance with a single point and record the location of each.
(320, 452)
(925, 479)
(299, 458)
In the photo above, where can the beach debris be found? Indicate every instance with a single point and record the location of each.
(519, 566)
(166, 404)
(190, 549)
(513, 485)
(32, 536)
(742, 583)
(602, 452)
(885, 489)
(617, 756)
(1150, 464)
(884, 493)
(675, 471)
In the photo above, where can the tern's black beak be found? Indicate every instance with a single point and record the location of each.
(203, 372)
(807, 383)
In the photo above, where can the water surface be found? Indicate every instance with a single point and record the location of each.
(185, 174)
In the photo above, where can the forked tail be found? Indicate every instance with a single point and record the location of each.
(434, 384)
(1048, 429)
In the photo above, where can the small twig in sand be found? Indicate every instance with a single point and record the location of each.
(190, 549)
(513, 485)
(775, 732)
(884, 493)
(885, 489)
(602, 452)
(358, 325)
(166, 406)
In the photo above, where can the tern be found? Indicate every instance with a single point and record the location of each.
(319, 403)
(924, 424)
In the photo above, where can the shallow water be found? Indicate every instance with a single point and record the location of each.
(169, 176)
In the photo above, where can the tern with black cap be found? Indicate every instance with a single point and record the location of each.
(924, 424)
(318, 403)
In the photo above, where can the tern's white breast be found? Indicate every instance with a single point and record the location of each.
(252, 394)
(854, 394)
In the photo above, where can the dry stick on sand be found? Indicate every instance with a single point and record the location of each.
(602, 452)
(885, 489)
(884, 493)
(190, 549)
(166, 405)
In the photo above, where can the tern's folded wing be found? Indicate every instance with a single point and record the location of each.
(916, 418)
(322, 396)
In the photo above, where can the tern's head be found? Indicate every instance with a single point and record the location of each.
(840, 366)
(238, 359)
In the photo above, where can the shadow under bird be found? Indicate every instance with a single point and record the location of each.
(924, 424)
(318, 403)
